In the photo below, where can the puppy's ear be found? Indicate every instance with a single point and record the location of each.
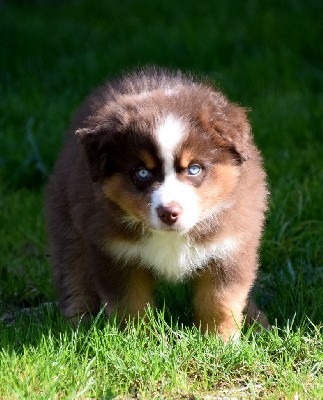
(99, 138)
(96, 146)
(235, 129)
(231, 127)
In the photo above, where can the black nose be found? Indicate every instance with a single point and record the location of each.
(169, 213)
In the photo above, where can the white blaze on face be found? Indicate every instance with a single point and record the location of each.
(170, 133)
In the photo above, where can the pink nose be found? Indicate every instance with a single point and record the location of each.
(169, 213)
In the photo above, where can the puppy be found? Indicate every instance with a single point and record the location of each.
(159, 177)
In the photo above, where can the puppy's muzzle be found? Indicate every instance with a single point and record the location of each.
(169, 213)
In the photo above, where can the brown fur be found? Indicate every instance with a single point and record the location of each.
(92, 204)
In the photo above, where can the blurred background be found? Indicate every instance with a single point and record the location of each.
(265, 55)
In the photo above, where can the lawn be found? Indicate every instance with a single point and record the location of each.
(266, 56)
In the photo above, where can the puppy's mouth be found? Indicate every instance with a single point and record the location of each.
(166, 228)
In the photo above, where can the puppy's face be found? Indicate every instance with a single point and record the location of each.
(167, 162)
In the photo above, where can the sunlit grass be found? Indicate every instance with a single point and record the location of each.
(154, 360)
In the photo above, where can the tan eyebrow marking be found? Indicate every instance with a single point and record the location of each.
(186, 159)
(147, 159)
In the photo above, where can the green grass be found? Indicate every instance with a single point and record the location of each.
(155, 360)
(265, 55)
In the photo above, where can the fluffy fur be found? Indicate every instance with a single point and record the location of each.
(158, 177)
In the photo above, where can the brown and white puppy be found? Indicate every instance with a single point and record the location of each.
(159, 177)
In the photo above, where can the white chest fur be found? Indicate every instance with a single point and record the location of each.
(170, 255)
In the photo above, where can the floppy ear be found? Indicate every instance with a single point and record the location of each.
(96, 146)
(235, 129)
(99, 138)
(229, 124)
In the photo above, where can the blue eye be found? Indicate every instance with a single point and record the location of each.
(143, 174)
(194, 169)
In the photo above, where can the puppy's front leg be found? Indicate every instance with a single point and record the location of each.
(218, 305)
(125, 289)
(138, 293)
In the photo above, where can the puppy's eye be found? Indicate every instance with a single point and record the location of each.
(143, 174)
(194, 169)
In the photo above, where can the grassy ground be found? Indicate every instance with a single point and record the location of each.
(264, 55)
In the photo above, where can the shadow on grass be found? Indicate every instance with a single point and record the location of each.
(25, 327)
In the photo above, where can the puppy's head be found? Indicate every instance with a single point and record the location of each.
(169, 157)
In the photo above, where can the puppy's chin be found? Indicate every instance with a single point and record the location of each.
(180, 227)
